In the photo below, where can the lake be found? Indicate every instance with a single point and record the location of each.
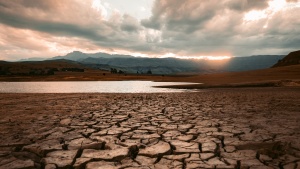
(90, 87)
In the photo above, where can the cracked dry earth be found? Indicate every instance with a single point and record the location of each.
(220, 128)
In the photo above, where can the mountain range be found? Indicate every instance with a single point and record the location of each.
(131, 64)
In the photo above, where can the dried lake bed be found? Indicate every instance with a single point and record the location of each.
(219, 128)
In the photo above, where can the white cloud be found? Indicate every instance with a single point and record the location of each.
(98, 6)
(143, 9)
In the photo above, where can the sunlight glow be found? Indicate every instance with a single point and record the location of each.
(255, 15)
(107, 8)
(277, 5)
(172, 55)
(205, 57)
(274, 7)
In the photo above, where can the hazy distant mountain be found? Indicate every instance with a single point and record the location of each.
(141, 62)
(75, 56)
(292, 58)
(252, 62)
(79, 56)
(142, 65)
(133, 64)
(173, 65)
(32, 59)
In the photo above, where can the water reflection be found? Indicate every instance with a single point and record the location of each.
(89, 87)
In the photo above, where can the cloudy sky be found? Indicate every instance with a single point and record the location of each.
(149, 28)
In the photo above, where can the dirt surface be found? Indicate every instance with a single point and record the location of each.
(217, 128)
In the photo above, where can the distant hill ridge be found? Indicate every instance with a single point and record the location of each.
(46, 67)
(78, 56)
(292, 58)
(131, 64)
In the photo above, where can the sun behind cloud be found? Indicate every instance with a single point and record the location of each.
(274, 6)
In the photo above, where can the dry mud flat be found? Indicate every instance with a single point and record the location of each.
(220, 128)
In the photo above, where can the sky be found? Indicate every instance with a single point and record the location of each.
(149, 28)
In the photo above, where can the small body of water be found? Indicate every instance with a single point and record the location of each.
(89, 87)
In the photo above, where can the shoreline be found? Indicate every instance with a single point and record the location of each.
(272, 77)
(279, 83)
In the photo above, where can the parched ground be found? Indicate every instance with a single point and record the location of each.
(220, 128)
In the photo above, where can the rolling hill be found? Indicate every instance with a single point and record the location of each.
(132, 64)
(38, 67)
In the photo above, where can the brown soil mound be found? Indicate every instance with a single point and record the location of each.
(292, 58)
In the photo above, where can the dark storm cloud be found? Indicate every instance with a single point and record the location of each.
(246, 5)
(180, 15)
(194, 27)
(70, 18)
(187, 28)
(130, 24)
(190, 25)
(189, 15)
(56, 28)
